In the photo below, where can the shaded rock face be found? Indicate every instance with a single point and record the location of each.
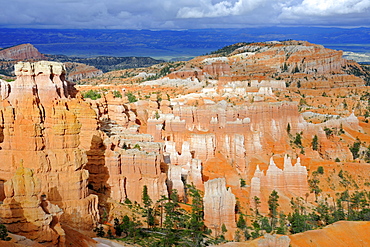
(21, 52)
(122, 161)
(25, 213)
(41, 123)
(219, 207)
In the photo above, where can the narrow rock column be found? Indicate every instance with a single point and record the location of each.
(219, 207)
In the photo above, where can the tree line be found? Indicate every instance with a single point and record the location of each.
(165, 222)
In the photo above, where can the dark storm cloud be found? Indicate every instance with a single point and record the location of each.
(177, 14)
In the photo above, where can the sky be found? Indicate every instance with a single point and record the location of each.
(182, 14)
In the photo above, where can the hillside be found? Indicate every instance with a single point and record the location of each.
(340, 234)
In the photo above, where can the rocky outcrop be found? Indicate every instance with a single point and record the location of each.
(41, 124)
(27, 212)
(219, 207)
(21, 52)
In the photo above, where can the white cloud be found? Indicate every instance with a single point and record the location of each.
(220, 9)
(326, 8)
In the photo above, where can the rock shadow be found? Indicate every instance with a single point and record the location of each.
(98, 173)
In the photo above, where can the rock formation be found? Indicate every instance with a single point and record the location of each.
(219, 207)
(41, 124)
(291, 181)
(25, 211)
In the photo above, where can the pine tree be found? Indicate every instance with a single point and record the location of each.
(196, 227)
(4, 233)
(175, 219)
(314, 185)
(256, 202)
(273, 206)
(241, 224)
(148, 210)
(315, 143)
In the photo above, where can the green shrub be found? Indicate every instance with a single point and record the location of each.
(117, 94)
(355, 148)
(137, 146)
(131, 97)
(92, 94)
(242, 183)
(320, 170)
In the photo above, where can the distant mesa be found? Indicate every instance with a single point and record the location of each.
(21, 52)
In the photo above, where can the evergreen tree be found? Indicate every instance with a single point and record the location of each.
(355, 148)
(4, 233)
(196, 227)
(223, 230)
(338, 213)
(241, 224)
(282, 228)
(257, 203)
(266, 225)
(323, 213)
(298, 219)
(346, 197)
(314, 185)
(315, 143)
(117, 227)
(298, 140)
(273, 206)
(175, 218)
(148, 210)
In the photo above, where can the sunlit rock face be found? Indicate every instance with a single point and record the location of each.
(46, 126)
(27, 213)
(290, 181)
(219, 207)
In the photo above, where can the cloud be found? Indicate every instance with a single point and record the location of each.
(220, 9)
(326, 8)
(328, 12)
(181, 14)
